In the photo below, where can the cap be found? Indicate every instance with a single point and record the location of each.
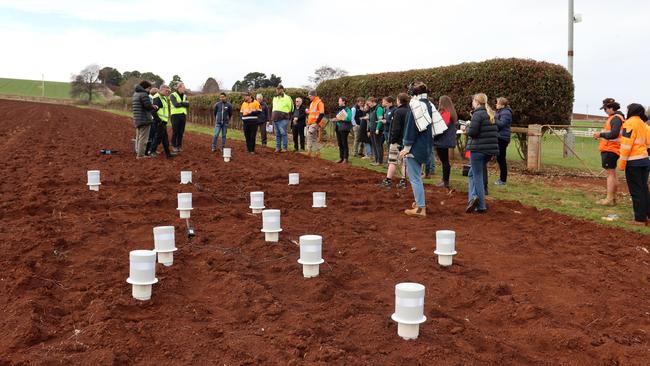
(312, 93)
(606, 101)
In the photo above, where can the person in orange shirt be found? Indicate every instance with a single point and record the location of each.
(610, 147)
(250, 109)
(315, 115)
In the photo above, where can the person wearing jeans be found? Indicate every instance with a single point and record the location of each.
(222, 113)
(504, 123)
(281, 109)
(482, 145)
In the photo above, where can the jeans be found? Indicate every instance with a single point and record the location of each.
(357, 148)
(178, 129)
(501, 159)
(342, 139)
(378, 147)
(298, 132)
(219, 129)
(476, 182)
(414, 170)
(250, 132)
(281, 136)
(637, 183)
(368, 149)
(141, 137)
(161, 137)
(443, 154)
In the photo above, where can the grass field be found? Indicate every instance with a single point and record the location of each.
(34, 88)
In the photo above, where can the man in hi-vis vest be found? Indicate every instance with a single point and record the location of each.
(161, 116)
(179, 105)
(610, 147)
(315, 115)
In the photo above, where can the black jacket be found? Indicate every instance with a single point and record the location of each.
(222, 112)
(397, 125)
(141, 107)
(482, 133)
(157, 102)
(300, 114)
(263, 115)
(447, 139)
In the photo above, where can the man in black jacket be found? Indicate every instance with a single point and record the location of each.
(161, 117)
(396, 135)
(222, 113)
(263, 118)
(142, 120)
(298, 127)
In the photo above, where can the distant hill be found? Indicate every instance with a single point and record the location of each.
(33, 88)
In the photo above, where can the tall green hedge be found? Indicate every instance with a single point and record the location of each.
(539, 92)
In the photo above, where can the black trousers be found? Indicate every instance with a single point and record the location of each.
(501, 159)
(637, 183)
(263, 132)
(342, 139)
(250, 133)
(298, 132)
(443, 155)
(152, 137)
(377, 142)
(178, 129)
(161, 137)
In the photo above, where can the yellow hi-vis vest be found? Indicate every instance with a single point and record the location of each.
(179, 110)
(163, 113)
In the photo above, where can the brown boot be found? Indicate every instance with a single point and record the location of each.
(417, 212)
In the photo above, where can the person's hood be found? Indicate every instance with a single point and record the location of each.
(140, 89)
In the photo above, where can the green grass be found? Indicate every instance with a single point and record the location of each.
(34, 88)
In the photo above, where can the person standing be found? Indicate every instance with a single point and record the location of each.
(222, 113)
(357, 114)
(342, 128)
(298, 126)
(482, 144)
(178, 116)
(396, 136)
(389, 108)
(280, 113)
(142, 120)
(504, 125)
(316, 113)
(375, 130)
(262, 118)
(635, 162)
(154, 126)
(161, 117)
(250, 109)
(447, 139)
(610, 146)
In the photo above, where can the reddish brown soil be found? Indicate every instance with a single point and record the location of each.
(523, 290)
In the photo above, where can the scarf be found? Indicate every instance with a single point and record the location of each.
(423, 119)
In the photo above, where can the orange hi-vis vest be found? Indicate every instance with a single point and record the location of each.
(613, 146)
(634, 144)
(315, 109)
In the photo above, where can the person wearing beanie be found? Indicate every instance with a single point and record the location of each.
(610, 146)
(142, 119)
(635, 162)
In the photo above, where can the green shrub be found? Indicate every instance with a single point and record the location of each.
(539, 92)
(207, 101)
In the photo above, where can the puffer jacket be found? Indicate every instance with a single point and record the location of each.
(482, 133)
(141, 107)
(504, 123)
(447, 139)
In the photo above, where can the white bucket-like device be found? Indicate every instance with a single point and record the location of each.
(319, 200)
(311, 254)
(227, 154)
(294, 179)
(257, 202)
(445, 247)
(184, 205)
(164, 244)
(271, 225)
(409, 309)
(94, 180)
(142, 273)
(186, 177)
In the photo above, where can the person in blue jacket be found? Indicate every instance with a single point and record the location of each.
(504, 124)
(222, 114)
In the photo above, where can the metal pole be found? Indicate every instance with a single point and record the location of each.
(570, 53)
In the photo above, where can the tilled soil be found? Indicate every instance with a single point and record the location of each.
(528, 287)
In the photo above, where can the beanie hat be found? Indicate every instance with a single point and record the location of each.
(145, 84)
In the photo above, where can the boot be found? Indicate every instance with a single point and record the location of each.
(401, 184)
(386, 183)
(417, 212)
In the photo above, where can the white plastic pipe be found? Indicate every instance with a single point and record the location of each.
(271, 225)
(311, 255)
(257, 202)
(186, 177)
(142, 273)
(94, 180)
(164, 244)
(445, 247)
(184, 205)
(319, 200)
(227, 154)
(409, 309)
(294, 179)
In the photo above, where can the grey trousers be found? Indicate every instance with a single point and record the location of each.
(141, 138)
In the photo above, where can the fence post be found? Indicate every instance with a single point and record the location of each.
(569, 144)
(534, 137)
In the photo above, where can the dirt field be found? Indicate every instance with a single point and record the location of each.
(528, 287)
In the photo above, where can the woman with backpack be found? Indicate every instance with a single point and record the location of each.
(343, 126)
(447, 139)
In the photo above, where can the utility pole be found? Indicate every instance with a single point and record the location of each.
(573, 18)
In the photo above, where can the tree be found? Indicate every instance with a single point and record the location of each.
(110, 76)
(128, 74)
(326, 73)
(154, 79)
(256, 80)
(128, 86)
(86, 82)
(273, 81)
(175, 81)
(210, 86)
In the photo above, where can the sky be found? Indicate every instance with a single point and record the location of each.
(197, 39)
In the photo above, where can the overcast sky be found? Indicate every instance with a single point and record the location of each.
(227, 39)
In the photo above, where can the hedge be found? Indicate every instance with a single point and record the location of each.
(539, 92)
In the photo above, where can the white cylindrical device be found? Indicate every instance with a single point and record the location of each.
(227, 154)
(164, 244)
(184, 205)
(409, 309)
(257, 202)
(311, 255)
(142, 273)
(94, 180)
(319, 200)
(294, 179)
(186, 177)
(271, 225)
(445, 247)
